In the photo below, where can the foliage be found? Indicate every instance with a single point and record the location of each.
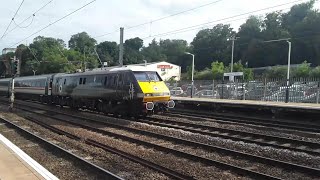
(217, 70)
(303, 70)
(108, 52)
(315, 72)
(300, 23)
(212, 44)
(276, 72)
(82, 42)
(206, 74)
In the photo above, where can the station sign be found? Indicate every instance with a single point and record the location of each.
(233, 74)
(164, 67)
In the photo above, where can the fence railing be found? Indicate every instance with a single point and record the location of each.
(300, 90)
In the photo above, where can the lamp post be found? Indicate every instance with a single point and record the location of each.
(192, 73)
(288, 71)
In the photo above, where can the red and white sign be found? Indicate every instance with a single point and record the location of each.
(164, 67)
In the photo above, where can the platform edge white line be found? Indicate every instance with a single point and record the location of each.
(31, 162)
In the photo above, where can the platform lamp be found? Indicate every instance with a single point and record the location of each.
(192, 73)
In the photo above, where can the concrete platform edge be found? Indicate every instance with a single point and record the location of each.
(31, 162)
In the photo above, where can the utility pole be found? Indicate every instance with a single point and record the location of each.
(121, 47)
(84, 60)
(233, 38)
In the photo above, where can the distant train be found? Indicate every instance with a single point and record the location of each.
(128, 90)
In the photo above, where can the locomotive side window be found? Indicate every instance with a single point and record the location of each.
(84, 80)
(80, 81)
(105, 80)
(120, 79)
(64, 81)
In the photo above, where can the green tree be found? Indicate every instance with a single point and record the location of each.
(212, 44)
(315, 72)
(81, 42)
(132, 49)
(303, 70)
(108, 52)
(276, 72)
(217, 70)
(154, 52)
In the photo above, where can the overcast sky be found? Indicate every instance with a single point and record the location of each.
(105, 16)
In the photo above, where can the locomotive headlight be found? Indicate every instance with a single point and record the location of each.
(166, 94)
(148, 94)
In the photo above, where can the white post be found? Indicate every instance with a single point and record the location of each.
(288, 72)
(289, 59)
(233, 39)
(192, 73)
(192, 81)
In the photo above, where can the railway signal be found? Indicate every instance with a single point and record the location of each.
(15, 67)
(15, 72)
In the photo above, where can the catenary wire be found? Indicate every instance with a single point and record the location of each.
(226, 18)
(22, 27)
(12, 19)
(54, 22)
(162, 18)
(31, 16)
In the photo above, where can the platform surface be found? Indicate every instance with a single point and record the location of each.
(309, 106)
(17, 165)
(13, 167)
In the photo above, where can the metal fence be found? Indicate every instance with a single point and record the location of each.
(300, 90)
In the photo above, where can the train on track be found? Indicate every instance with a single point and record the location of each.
(127, 90)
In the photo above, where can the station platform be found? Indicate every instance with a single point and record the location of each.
(266, 105)
(16, 165)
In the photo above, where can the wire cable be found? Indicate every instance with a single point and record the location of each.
(226, 18)
(31, 16)
(23, 27)
(162, 18)
(12, 19)
(54, 22)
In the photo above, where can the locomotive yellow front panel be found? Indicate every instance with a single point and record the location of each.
(154, 91)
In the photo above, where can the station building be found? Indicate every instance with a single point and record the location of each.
(166, 70)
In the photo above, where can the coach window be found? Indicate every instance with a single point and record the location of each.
(64, 81)
(80, 81)
(84, 80)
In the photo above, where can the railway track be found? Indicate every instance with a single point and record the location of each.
(286, 165)
(244, 120)
(238, 135)
(105, 173)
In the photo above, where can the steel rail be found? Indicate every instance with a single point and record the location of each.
(219, 117)
(106, 173)
(303, 169)
(310, 144)
(149, 164)
(269, 161)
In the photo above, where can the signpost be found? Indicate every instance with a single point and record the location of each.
(231, 76)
